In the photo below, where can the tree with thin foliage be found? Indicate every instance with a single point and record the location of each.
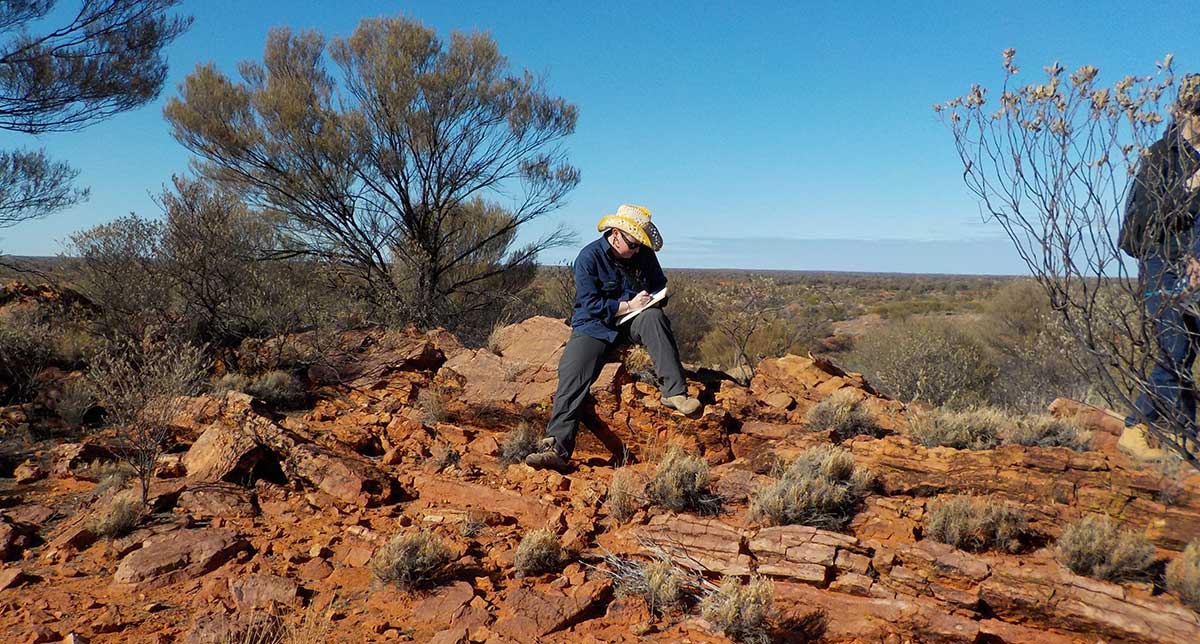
(142, 386)
(411, 167)
(105, 59)
(1055, 162)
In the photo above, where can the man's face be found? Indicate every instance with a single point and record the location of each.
(624, 244)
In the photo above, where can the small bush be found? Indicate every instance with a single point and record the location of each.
(664, 586)
(974, 525)
(24, 352)
(74, 402)
(121, 516)
(519, 443)
(970, 429)
(431, 403)
(230, 381)
(844, 414)
(279, 388)
(1096, 548)
(741, 611)
(1047, 431)
(1183, 576)
(681, 483)
(622, 495)
(821, 488)
(539, 552)
(411, 560)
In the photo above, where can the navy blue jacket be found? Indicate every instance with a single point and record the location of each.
(603, 281)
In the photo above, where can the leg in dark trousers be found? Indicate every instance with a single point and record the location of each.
(652, 329)
(580, 365)
(1170, 401)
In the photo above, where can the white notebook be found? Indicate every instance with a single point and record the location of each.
(654, 299)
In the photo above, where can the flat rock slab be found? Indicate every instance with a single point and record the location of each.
(177, 555)
(434, 491)
(530, 613)
(705, 545)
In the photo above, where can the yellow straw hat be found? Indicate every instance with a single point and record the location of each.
(634, 220)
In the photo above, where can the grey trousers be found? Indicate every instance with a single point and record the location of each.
(583, 358)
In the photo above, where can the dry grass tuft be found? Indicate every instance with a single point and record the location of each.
(1047, 431)
(821, 488)
(664, 586)
(539, 552)
(411, 560)
(279, 388)
(976, 525)
(844, 414)
(623, 492)
(681, 483)
(970, 429)
(519, 443)
(1183, 576)
(741, 611)
(121, 516)
(1096, 548)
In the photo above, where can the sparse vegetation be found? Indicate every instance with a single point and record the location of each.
(741, 611)
(1183, 576)
(75, 399)
(622, 502)
(975, 524)
(976, 429)
(432, 405)
(519, 443)
(1046, 431)
(279, 388)
(844, 414)
(664, 586)
(122, 514)
(681, 483)
(539, 552)
(822, 488)
(1095, 547)
(411, 561)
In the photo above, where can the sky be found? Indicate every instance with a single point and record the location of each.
(789, 135)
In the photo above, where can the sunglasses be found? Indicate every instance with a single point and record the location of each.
(632, 243)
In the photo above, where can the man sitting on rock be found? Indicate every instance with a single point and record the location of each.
(614, 275)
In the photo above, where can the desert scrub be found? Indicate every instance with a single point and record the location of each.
(1046, 431)
(519, 443)
(969, 429)
(681, 483)
(118, 518)
(844, 414)
(411, 560)
(539, 552)
(822, 488)
(622, 500)
(741, 611)
(1095, 547)
(664, 586)
(1183, 576)
(971, 524)
(279, 388)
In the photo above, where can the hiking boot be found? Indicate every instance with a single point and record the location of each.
(547, 457)
(682, 404)
(1137, 442)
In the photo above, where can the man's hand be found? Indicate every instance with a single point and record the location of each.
(641, 300)
(1193, 272)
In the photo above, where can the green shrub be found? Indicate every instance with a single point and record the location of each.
(741, 611)
(970, 429)
(1047, 431)
(681, 483)
(539, 552)
(411, 561)
(821, 488)
(844, 414)
(975, 525)
(1183, 576)
(519, 443)
(1096, 548)
(931, 360)
(279, 388)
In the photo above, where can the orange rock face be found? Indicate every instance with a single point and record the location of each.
(261, 518)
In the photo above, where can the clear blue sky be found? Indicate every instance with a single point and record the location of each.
(762, 135)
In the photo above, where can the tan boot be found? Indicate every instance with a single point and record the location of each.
(1137, 442)
(682, 403)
